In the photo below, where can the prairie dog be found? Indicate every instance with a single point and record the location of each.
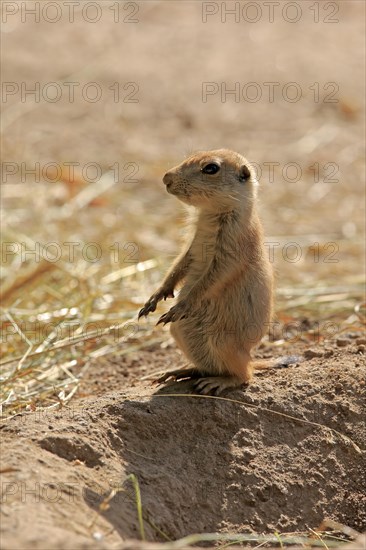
(225, 304)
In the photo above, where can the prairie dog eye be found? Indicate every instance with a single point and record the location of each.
(211, 168)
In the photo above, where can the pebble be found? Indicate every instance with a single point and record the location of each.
(343, 342)
(361, 348)
(311, 353)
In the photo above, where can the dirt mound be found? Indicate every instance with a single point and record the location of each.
(280, 456)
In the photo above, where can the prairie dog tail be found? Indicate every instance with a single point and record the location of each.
(277, 363)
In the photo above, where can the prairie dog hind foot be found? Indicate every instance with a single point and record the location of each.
(205, 385)
(178, 374)
(215, 385)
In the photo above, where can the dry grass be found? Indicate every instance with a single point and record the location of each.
(59, 313)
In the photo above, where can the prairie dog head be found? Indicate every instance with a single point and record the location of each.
(213, 180)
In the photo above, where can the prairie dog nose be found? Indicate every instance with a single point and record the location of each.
(168, 179)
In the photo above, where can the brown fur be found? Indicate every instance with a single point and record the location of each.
(225, 305)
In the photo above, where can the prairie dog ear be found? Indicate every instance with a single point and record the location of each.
(244, 173)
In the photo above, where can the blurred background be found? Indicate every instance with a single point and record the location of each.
(101, 98)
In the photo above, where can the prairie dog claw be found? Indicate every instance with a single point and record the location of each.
(151, 304)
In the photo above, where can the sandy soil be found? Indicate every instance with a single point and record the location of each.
(286, 454)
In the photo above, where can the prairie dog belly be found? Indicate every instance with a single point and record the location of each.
(234, 313)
